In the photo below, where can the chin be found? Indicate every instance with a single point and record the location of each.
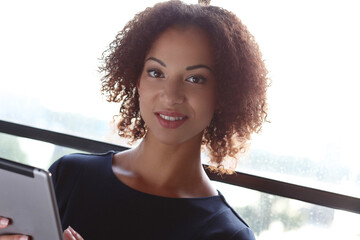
(176, 139)
(171, 141)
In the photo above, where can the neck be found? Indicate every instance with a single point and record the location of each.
(173, 160)
(170, 168)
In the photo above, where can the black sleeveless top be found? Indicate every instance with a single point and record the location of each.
(93, 201)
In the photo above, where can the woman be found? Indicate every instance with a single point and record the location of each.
(187, 76)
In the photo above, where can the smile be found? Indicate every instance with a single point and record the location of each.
(171, 118)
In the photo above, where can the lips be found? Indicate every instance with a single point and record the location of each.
(170, 119)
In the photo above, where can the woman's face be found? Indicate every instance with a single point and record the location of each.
(177, 85)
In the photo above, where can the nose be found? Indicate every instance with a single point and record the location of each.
(173, 93)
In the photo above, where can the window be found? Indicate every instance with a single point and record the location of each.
(49, 79)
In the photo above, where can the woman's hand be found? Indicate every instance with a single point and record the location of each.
(70, 234)
(4, 223)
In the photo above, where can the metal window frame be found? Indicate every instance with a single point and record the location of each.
(267, 185)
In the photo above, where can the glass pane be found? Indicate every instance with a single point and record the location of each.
(49, 63)
(35, 153)
(49, 79)
(274, 217)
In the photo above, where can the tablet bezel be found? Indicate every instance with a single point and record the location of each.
(27, 197)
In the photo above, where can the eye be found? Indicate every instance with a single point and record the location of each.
(155, 73)
(196, 79)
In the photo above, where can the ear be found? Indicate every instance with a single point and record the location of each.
(218, 108)
(138, 83)
(138, 86)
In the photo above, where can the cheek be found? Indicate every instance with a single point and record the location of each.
(146, 99)
(141, 88)
(147, 87)
(205, 105)
(143, 99)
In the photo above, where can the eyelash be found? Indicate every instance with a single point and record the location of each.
(201, 79)
(197, 79)
(151, 73)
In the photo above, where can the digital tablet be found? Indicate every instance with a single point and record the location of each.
(27, 197)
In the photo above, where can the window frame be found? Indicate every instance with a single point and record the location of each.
(262, 184)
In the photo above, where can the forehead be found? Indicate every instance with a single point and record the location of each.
(184, 43)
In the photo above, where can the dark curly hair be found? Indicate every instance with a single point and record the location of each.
(240, 73)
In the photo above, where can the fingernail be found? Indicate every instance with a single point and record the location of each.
(70, 233)
(4, 222)
(73, 232)
(24, 238)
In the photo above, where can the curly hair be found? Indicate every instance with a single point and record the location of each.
(240, 73)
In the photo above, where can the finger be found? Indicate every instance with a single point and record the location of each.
(67, 235)
(75, 234)
(4, 222)
(14, 237)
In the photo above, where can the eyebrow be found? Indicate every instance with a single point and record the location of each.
(156, 60)
(199, 66)
(188, 68)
